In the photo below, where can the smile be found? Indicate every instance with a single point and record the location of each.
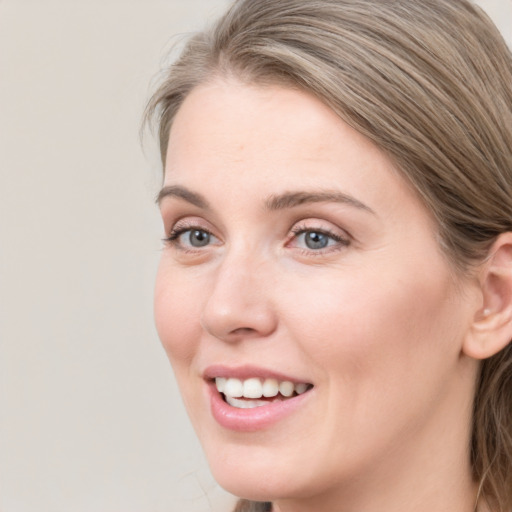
(255, 392)
(250, 398)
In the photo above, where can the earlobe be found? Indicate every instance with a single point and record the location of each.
(491, 330)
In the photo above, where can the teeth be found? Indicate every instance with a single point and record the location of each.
(253, 388)
(245, 404)
(301, 388)
(256, 388)
(286, 388)
(221, 384)
(234, 388)
(270, 388)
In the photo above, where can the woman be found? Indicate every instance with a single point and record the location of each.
(335, 293)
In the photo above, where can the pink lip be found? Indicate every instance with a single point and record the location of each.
(246, 372)
(257, 418)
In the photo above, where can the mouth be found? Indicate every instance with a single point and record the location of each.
(258, 392)
(251, 398)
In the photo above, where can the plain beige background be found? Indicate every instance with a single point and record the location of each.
(90, 417)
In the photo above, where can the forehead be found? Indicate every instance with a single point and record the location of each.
(227, 110)
(257, 126)
(230, 136)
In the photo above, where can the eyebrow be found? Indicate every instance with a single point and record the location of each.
(293, 199)
(183, 193)
(275, 202)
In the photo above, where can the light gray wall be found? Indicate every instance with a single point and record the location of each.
(90, 417)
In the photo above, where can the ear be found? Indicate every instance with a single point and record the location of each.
(491, 329)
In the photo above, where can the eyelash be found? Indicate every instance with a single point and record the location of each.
(180, 229)
(341, 242)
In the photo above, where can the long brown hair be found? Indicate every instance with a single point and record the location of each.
(429, 82)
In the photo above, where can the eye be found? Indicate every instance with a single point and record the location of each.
(190, 238)
(318, 240)
(195, 237)
(314, 239)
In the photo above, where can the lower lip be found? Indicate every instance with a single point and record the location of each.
(257, 418)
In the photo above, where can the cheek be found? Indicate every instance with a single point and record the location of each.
(176, 307)
(383, 351)
(368, 326)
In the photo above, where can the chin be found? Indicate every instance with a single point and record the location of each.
(251, 472)
(253, 485)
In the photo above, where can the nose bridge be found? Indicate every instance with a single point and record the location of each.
(239, 302)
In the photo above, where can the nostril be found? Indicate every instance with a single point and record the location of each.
(243, 330)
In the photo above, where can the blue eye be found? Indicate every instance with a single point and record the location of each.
(197, 237)
(316, 239)
(194, 238)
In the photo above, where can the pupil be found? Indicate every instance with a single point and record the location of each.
(199, 238)
(316, 240)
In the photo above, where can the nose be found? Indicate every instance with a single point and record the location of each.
(239, 305)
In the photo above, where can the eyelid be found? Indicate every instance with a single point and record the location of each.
(190, 222)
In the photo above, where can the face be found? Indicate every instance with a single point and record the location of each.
(300, 265)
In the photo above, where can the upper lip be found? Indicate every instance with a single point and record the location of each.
(246, 372)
